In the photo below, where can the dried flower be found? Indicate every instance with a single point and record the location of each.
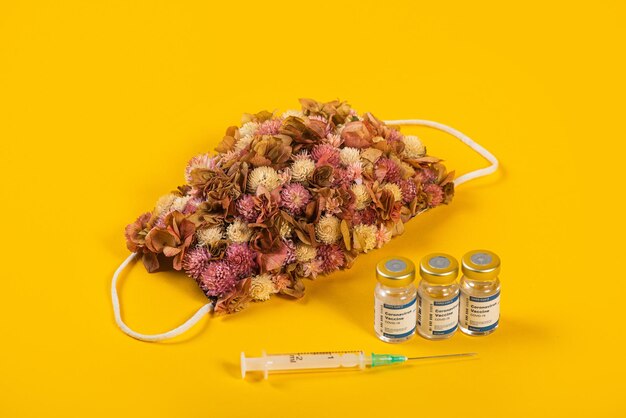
(413, 147)
(367, 216)
(217, 279)
(246, 207)
(196, 261)
(263, 176)
(408, 189)
(302, 169)
(172, 240)
(281, 282)
(243, 143)
(364, 237)
(311, 269)
(262, 287)
(238, 231)
(387, 170)
(270, 127)
(164, 204)
(394, 189)
(383, 236)
(248, 129)
(363, 197)
(326, 154)
(331, 256)
(327, 229)
(210, 236)
(294, 198)
(241, 259)
(292, 112)
(350, 155)
(305, 253)
(435, 194)
(199, 161)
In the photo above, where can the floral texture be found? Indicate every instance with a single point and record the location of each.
(289, 196)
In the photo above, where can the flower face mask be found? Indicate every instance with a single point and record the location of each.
(288, 197)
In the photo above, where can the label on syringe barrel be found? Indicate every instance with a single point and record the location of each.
(437, 317)
(480, 314)
(395, 321)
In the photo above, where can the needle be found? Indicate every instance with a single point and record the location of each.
(442, 356)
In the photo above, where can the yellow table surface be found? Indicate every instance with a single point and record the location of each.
(103, 103)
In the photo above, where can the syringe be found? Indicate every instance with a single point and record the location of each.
(327, 360)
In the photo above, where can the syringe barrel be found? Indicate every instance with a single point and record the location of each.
(301, 361)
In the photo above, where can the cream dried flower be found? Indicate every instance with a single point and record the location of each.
(164, 204)
(302, 168)
(413, 147)
(243, 142)
(363, 198)
(364, 237)
(263, 176)
(349, 155)
(262, 287)
(328, 229)
(305, 253)
(238, 231)
(248, 129)
(180, 202)
(210, 236)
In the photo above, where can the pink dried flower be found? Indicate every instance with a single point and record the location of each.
(311, 269)
(367, 216)
(199, 161)
(191, 206)
(326, 154)
(281, 281)
(435, 194)
(425, 175)
(408, 189)
(334, 140)
(387, 170)
(242, 259)
(246, 207)
(354, 173)
(218, 279)
(291, 252)
(393, 135)
(196, 262)
(270, 127)
(294, 197)
(331, 256)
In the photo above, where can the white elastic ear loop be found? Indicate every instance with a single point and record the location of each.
(463, 138)
(150, 337)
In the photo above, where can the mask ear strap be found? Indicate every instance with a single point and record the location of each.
(150, 337)
(463, 138)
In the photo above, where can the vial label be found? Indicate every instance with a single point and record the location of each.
(437, 317)
(395, 321)
(480, 314)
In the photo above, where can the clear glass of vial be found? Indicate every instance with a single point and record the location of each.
(395, 298)
(438, 297)
(480, 293)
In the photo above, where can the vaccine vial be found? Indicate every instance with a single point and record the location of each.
(480, 293)
(395, 299)
(438, 297)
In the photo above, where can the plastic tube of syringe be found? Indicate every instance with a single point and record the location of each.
(327, 360)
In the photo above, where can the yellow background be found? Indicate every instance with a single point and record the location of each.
(103, 103)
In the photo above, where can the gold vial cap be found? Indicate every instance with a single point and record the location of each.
(439, 268)
(482, 265)
(395, 271)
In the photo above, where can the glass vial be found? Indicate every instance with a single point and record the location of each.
(395, 298)
(438, 297)
(480, 293)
